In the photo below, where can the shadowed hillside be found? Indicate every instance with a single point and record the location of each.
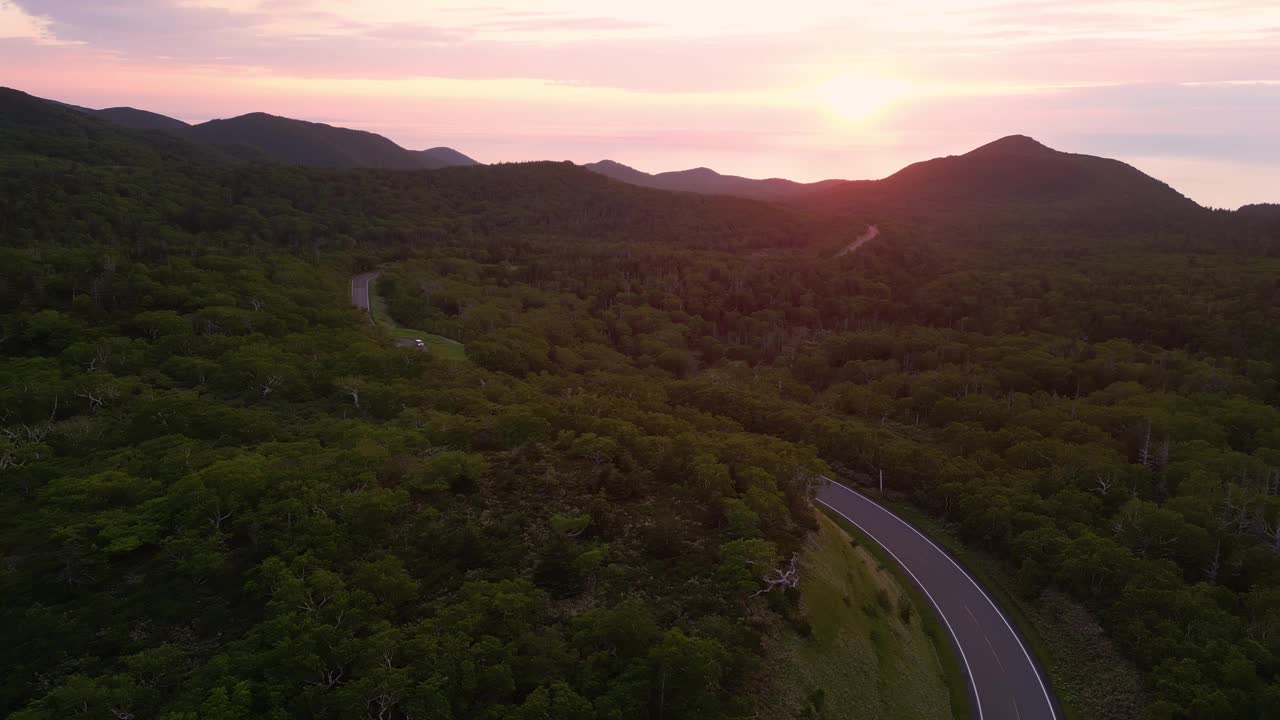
(444, 157)
(708, 181)
(140, 119)
(1015, 172)
(269, 137)
(306, 143)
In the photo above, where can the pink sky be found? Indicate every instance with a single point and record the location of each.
(1187, 90)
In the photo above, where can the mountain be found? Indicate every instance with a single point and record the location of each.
(1020, 168)
(139, 119)
(1268, 211)
(29, 124)
(439, 157)
(261, 136)
(306, 143)
(1015, 171)
(708, 181)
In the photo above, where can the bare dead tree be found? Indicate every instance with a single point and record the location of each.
(217, 517)
(1144, 453)
(95, 401)
(1233, 514)
(785, 577)
(354, 391)
(329, 678)
(381, 706)
(1211, 572)
(1271, 532)
(271, 383)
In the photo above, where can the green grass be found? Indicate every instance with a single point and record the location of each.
(957, 684)
(438, 345)
(849, 653)
(1087, 672)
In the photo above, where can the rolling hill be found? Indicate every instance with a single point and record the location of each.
(306, 143)
(32, 125)
(140, 119)
(300, 142)
(445, 157)
(1012, 172)
(708, 181)
(263, 136)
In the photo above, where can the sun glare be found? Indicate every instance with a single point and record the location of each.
(857, 98)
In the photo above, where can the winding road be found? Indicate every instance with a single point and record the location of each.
(1004, 681)
(360, 289)
(872, 233)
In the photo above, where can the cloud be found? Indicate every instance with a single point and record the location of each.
(673, 79)
(18, 24)
(648, 49)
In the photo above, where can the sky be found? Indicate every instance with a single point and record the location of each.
(1186, 90)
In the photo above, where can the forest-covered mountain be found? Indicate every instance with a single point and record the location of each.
(445, 157)
(1016, 173)
(225, 493)
(306, 143)
(708, 181)
(318, 145)
(1011, 173)
(139, 119)
(286, 140)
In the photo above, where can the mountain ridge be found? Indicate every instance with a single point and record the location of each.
(289, 140)
(707, 181)
(1012, 171)
(140, 119)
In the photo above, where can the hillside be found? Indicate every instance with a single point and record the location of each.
(1014, 172)
(306, 143)
(708, 181)
(506, 200)
(140, 119)
(33, 125)
(261, 136)
(439, 157)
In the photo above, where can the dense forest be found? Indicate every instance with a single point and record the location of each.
(227, 494)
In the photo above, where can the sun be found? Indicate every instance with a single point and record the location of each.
(856, 98)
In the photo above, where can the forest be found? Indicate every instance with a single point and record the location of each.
(227, 494)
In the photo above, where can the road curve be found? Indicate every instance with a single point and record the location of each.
(873, 231)
(1004, 681)
(360, 289)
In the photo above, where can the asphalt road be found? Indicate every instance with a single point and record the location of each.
(360, 289)
(1004, 682)
(360, 285)
(872, 233)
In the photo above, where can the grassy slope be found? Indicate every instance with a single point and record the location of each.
(1088, 674)
(437, 344)
(865, 660)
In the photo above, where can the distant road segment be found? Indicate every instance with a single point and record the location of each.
(1004, 681)
(360, 289)
(872, 233)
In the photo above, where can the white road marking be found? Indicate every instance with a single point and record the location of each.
(1034, 668)
(968, 670)
(986, 637)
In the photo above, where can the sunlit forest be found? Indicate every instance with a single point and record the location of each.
(227, 494)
